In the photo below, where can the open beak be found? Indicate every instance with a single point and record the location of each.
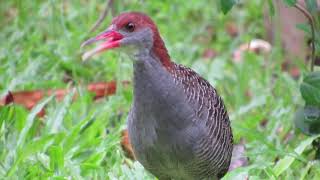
(110, 39)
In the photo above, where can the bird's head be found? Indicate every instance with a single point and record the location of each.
(133, 31)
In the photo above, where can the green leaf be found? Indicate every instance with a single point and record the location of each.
(226, 5)
(56, 159)
(6, 112)
(271, 8)
(311, 113)
(36, 146)
(306, 170)
(313, 78)
(32, 147)
(304, 27)
(310, 89)
(30, 119)
(55, 123)
(284, 163)
(311, 5)
(308, 120)
(290, 2)
(239, 173)
(73, 134)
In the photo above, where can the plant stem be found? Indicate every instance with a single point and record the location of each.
(103, 15)
(311, 22)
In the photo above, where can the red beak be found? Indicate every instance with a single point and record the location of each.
(110, 39)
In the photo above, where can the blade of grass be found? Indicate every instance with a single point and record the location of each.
(305, 171)
(30, 119)
(31, 148)
(283, 164)
(55, 122)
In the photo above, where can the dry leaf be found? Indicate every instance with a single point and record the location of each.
(29, 99)
(125, 144)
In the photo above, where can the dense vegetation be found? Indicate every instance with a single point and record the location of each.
(80, 138)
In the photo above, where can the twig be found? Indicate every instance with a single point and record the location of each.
(311, 22)
(103, 15)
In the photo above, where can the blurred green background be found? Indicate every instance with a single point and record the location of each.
(40, 49)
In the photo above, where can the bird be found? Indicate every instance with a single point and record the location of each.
(178, 125)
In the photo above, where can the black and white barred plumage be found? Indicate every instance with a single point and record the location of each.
(215, 151)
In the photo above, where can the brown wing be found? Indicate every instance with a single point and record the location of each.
(215, 150)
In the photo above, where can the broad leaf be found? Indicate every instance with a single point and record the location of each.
(308, 120)
(226, 5)
(304, 27)
(290, 2)
(312, 114)
(310, 89)
(311, 5)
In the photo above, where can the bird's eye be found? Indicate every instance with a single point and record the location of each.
(130, 27)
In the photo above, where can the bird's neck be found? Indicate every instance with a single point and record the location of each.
(149, 65)
(157, 96)
(160, 51)
(152, 71)
(150, 75)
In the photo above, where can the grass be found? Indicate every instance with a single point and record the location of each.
(39, 48)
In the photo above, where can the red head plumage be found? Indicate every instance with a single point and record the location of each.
(142, 21)
(139, 21)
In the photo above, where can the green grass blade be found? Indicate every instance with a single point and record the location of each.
(54, 123)
(283, 164)
(30, 119)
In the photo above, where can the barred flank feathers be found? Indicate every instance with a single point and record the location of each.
(214, 153)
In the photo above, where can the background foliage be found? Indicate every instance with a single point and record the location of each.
(39, 49)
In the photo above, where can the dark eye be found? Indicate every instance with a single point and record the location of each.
(130, 27)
